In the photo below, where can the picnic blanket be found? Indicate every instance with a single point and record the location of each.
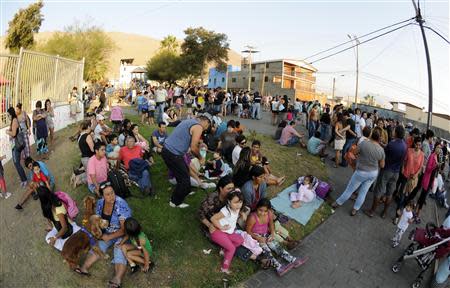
(282, 204)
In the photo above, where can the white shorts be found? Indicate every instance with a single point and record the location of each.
(339, 144)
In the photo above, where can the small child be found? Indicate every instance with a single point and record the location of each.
(39, 177)
(3, 191)
(112, 150)
(214, 168)
(261, 226)
(140, 250)
(144, 110)
(151, 111)
(305, 193)
(225, 223)
(406, 218)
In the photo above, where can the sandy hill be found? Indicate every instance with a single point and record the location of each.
(129, 45)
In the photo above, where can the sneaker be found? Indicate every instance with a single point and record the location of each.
(7, 195)
(300, 261)
(221, 253)
(23, 184)
(18, 207)
(226, 271)
(35, 196)
(395, 244)
(284, 269)
(182, 205)
(134, 269)
(191, 193)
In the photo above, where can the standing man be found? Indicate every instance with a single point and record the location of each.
(185, 137)
(256, 111)
(161, 97)
(218, 100)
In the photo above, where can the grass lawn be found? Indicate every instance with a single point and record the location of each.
(177, 239)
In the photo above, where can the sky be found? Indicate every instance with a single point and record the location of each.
(392, 67)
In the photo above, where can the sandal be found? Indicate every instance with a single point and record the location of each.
(353, 213)
(112, 284)
(82, 273)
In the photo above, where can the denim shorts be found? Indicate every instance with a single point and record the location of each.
(118, 258)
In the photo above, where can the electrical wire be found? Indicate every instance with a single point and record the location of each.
(365, 41)
(359, 37)
(443, 38)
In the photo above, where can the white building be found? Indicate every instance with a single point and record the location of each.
(128, 72)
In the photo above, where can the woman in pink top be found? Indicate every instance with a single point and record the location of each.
(261, 227)
(412, 166)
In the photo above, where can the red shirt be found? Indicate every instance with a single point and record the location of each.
(126, 154)
(40, 178)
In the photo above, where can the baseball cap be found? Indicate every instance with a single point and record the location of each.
(100, 117)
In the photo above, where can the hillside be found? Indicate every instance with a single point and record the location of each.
(129, 45)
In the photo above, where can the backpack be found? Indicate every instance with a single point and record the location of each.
(69, 204)
(118, 184)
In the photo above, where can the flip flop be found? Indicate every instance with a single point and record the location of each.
(112, 284)
(78, 271)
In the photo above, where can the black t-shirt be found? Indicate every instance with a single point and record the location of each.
(257, 99)
(326, 119)
(352, 127)
(219, 98)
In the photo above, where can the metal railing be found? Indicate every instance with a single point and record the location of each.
(32, 76)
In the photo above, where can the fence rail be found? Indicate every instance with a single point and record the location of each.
(32, 76)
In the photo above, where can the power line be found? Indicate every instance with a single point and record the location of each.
(365, 41)
(443, 38)
(359, 37)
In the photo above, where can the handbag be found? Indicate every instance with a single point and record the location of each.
(19, 140)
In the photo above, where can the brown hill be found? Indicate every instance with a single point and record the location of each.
(129, 45)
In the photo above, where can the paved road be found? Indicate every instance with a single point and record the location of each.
(344, 251)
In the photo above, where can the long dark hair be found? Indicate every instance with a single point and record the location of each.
(244, 159)
(48, 201)
(45, 104)
(12, 113)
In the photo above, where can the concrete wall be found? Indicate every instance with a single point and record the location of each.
(62, 119)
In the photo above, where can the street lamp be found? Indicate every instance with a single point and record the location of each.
(334, 85)
(250, 50)
(357, 66)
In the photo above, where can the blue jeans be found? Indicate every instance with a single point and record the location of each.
(160, 110)
(312, 128)
(443, 271)
(294, 140)
(119, 258)
(143, 180)
(19, 168)
(347, 145)
(256, 112)
(324, 132)
(362, 180)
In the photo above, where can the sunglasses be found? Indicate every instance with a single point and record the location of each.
(104, 185)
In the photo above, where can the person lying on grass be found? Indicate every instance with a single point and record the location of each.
(261, 226)
(139, 250)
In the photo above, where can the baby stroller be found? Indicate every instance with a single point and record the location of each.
(429, 244)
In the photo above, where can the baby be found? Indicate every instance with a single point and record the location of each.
(305, 193)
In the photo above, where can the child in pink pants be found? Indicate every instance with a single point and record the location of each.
(225, 222)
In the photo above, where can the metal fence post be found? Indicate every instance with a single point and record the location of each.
(56, 74)
(18, 69)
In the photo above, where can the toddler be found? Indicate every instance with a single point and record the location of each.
(151, 111)
(112, 150)
(406, 218)
(261, 226)
(3, 191)
(214, 168)
(139, 250)
(305, 193)
(39, 177)
(225, 223)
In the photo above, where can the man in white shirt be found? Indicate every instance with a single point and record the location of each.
(360, 123)
(101, 130)
(241, 142)
(161, 97)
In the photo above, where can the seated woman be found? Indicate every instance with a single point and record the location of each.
(116, 210)
(317, 146)
(256, 188)
(241, 171)
(125, 131)
(170, 118)
(279, 130)
(60, 226)
(139, 170)
(140, 140)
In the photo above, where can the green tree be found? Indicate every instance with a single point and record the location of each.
(202, 47)
(165, 66)
(370, 99)
(78, 41)
(170, 43)
(22, 27)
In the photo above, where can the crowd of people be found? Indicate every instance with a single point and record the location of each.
(238, 217)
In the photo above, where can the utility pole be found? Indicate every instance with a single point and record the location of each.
(250, 50)
(357, 66)
(334, 82)
(420, 20)
(263, 79)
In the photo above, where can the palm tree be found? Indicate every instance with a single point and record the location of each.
(169, 43)
(370, 99)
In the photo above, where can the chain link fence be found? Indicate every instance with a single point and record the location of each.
(32, 76)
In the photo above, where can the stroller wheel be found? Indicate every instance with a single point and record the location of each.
(396, 267)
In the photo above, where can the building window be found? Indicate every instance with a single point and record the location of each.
(253, 79)
(210, 80)
(276, 79)
(233, 80)
(267, 66)
(223, 79)
(253, 66)
(243, 78)
(215, 80)
(266, 79)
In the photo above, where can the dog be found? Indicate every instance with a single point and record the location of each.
(89, 209)
(85, 239)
